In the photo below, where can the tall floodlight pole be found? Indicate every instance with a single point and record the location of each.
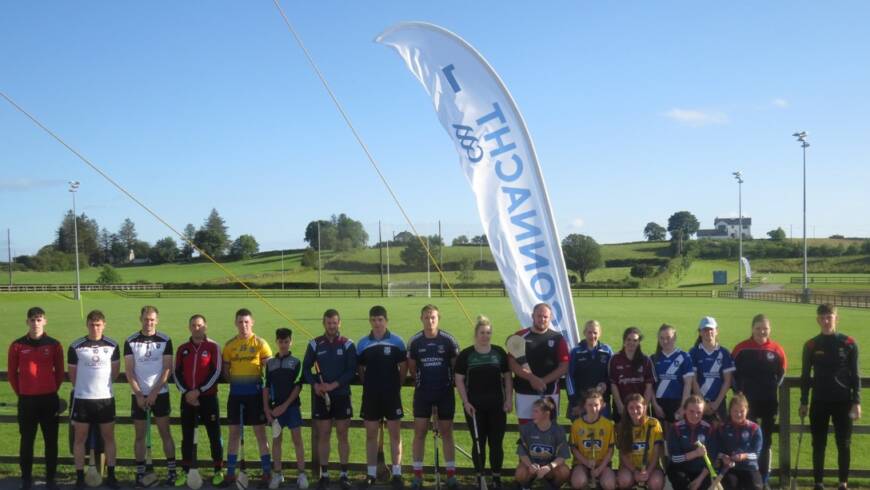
(802, 139)
(739, 176)
(319, 264)
(73, 187)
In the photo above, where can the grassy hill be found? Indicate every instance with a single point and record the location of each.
(361, 268)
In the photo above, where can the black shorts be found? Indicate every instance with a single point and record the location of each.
(444, 401)
(339, 407)
(100, 411)
(377, 406)
(761, 409)
(670, 407)
(159, 409)
(253, 408)
(207, 412)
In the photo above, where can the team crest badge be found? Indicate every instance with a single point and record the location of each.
(744, 435)
(770, 356)
(339, 352)
(551, 343)
(387, 350)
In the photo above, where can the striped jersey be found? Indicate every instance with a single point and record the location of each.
(710, 368)
(672, 372)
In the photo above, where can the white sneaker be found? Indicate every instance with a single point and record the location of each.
(302, 481)
(277, 480)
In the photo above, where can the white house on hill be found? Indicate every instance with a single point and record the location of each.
(728, 228)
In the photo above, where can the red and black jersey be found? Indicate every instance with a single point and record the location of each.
(760, 369)
(544, 352)
(35, 367)
(833, 360)
(198, 366)
(628, 377)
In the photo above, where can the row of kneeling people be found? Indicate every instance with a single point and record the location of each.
(265, 387)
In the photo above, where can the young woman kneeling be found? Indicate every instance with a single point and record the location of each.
(542, 449)
(640, 440)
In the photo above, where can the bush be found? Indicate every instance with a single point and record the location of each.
(108, 275)
(642, 270)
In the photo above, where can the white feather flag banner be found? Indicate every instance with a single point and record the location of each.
(498, 158)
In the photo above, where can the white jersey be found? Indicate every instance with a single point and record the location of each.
(93, 362)
(146, 353)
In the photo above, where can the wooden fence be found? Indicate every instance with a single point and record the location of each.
(785, 428)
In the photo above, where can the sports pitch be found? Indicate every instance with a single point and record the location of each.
(792, 325)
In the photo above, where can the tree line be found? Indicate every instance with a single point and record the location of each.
(98, 246)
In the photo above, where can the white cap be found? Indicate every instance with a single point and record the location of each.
(707, 322)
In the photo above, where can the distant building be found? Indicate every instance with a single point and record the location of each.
(726, 228)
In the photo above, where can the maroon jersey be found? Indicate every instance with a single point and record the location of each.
(544, 352)
(629, 379)
(35, 367)
(760, 369)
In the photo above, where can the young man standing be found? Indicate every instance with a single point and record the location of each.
(335, 358)
(35, 368)
(432, 356)
(832, 357)
(281, 404)
(94, 362)
(197, 371)
(381, 364)
(148, 362)
(244, 357)
(547, 355)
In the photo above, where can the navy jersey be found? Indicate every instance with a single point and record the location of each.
(337, 361)
(672, 372)
(745, 438)
(434, 359)
(283, 375)
(587, 368)
(683, 438)
(710, 368)
(381, 359)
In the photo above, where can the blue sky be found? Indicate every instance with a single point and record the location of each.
(637, 109)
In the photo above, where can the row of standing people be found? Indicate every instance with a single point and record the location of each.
(482, 378)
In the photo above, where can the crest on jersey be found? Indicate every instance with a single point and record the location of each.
(441, 349)
(339, 352)
(551, 343)
(744, 435)
(387, 350)
(770, 356)
(702, 438)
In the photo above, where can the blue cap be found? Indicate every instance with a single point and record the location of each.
(707, 322)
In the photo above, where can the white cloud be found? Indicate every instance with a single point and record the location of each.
(696, 118)
(780, 103)
(577, 223)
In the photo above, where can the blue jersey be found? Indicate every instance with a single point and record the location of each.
(710, 368)
(683, 438)
(434, 358)
(587, 368)
(381, 359)
(336, 359)
(672, 372)
(734, 439)
(283, 375)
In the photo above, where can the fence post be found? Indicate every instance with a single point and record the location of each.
(784, 434)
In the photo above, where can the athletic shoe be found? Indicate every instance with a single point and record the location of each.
(323, 482)
(172, 480)
(217, 480)
(276, 481)
(138, 482)
(343, 482)
(397, 483)
(369, 482)
(416, 483)
(112, 483)
(302, 481)
(452, 483)
(181, 479)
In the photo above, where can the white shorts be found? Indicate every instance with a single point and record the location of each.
(525, 402)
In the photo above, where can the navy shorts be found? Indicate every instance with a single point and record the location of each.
(291, 418)
(339, 408)
(253, 408)
(444, 401)
(377, 406)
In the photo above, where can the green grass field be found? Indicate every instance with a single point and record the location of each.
(792, 324)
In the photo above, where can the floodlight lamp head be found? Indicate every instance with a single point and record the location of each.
(739, 176)
(801, 136)
(73, 185)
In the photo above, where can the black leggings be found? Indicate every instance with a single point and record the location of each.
(763, 412)
(820, 413)
(491, 425)
(208, 415)
(37, 411)
(681, 475)
(742, 480)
